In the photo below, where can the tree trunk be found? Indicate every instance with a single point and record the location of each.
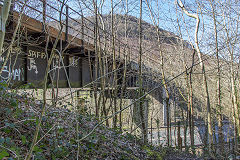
(141, 107)
(205, 84)
(191, 120)
(3, 19)
(219, 103)
(114, 68)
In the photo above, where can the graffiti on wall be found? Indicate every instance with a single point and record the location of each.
(14, 74)
(36, 62)
(12, 71)
(36, 54)
(74, 61)
(32, 65)
(37, 58)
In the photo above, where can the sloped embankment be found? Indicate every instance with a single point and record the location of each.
(57, 139)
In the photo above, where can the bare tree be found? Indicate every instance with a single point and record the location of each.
(49, 62)
(140, 79)
(209, 121)
(166, 90)
(219, 101)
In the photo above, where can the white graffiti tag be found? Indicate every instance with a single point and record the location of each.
(33, 65)
(7, 74)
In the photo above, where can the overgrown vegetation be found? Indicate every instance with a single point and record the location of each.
(57, 139)
(178, 88)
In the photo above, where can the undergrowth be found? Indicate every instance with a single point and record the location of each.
(58, 138)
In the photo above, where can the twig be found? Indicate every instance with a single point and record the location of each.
(45, 134)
